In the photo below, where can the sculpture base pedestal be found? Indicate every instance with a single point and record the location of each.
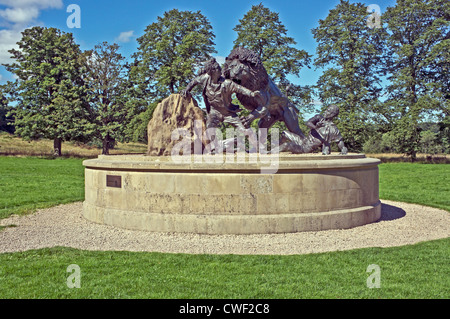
(307, 192)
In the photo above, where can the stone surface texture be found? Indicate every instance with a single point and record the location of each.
(174, 112)
(307, 193)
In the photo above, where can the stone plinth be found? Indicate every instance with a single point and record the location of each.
(307, 192)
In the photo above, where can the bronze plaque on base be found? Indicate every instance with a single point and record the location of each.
(113, 181)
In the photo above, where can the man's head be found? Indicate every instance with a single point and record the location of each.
(211, 67)
(331, 112)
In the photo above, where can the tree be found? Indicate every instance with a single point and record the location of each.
(169, 52)
(428, 140)
(168, 55)
(5, 119)
(105, 80)
(140, 108)
(352, 53)
(49, 90)
(418, 64)
(136, 130)
(261, 31)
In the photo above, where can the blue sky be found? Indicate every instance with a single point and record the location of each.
(123, 21)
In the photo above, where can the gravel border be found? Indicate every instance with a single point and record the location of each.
(63, 225)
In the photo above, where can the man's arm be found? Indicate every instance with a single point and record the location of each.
(236, 88)
(312, 122)
(196, 81)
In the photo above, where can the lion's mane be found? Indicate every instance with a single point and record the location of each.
(259, 79)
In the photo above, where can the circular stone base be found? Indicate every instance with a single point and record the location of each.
(239, 194)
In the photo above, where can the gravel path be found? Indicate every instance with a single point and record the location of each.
(400, 224)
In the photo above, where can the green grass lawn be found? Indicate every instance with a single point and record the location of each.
(426, 184)
(29, 183)
(416, 271)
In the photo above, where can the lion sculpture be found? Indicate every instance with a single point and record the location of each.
(244, 67)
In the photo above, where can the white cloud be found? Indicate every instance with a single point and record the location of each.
(18, 15)
(125, 36)
(23, 12)
(29, 3)
(8, 41)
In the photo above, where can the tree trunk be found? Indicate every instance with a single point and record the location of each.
(105, 148)
(413, 156)
(57, 146)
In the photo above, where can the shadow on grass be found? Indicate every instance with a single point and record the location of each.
(389, 212)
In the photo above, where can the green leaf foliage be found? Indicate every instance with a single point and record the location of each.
(49, 90)
(262, 31)
(418, 64)
(169, 53)
(351, 52)
(5, 117)
(106, 85)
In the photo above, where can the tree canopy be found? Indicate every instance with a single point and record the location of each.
(170, 51)
(5, 119)
(351, 54)
(262, 31)
(106, 83)
(417, 64)
(391, 82)
(48, 89)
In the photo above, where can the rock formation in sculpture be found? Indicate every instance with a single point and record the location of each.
(179, 114)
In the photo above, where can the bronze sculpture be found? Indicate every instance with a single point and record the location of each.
(245, 76)
(244, 67)
(217, 95)
(323, 133)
